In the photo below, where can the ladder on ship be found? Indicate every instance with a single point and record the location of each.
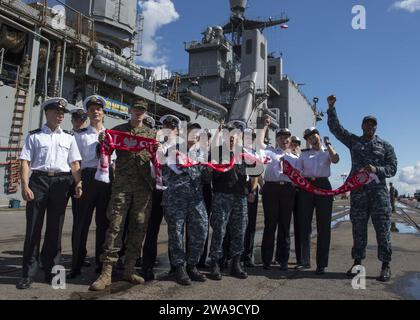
(12, 174)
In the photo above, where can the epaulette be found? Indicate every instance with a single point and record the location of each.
(68, 132)
(35, 131)
(305, 150)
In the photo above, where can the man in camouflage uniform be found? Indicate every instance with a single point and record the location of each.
(377, 156)
(183, 202)
(131, 198)
(229, 213)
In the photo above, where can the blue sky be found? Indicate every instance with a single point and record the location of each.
(373, 71)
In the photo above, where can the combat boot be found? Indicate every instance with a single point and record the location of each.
(130, 274)
(350, 272)
(181, 276)
(104, 279)
(385, 275)
(215, 271)
(236, 269)
(194, 274)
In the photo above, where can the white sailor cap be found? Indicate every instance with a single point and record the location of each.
(55, 103)
(96, 99)
(171, 119)
(78, 113)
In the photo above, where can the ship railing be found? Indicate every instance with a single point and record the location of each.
(1, 59)
(58, 16)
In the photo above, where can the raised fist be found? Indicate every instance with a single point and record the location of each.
(331, 101)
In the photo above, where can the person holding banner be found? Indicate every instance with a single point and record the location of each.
(314, 164)
(131, 199)
(229, 207)
(167, 137)
(278, 197)
(376, 156)
(183, 204)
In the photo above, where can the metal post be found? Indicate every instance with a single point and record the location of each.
(1, 59)
(62, 66)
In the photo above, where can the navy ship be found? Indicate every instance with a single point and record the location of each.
(77, 48)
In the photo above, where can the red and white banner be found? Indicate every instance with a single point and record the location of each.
(127, 142)
(250, 158)
(359, 179)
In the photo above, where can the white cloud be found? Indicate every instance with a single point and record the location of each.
(408, 5)
(162, 72)
(156, 13)
(408, 180)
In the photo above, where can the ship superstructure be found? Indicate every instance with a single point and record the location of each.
(73, 49)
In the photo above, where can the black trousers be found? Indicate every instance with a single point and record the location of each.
(322, 205)
(278, 203)
(248, 254)
(152, 233)
(296, 228)
(95, 197)
(75, 212)
(51, 196)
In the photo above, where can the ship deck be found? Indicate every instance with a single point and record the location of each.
(260, 285)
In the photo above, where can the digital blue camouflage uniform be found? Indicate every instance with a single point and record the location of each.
(371, 200)
(183, 202)
(229, 212)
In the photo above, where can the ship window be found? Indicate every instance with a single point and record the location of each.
(290, 120)
(262, 51)
(272, 70)
(248, 46)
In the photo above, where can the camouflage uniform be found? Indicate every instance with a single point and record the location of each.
(371, 200)
(131, 198)
(229, 210)
(183, 202)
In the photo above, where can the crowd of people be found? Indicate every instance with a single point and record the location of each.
(194, 194)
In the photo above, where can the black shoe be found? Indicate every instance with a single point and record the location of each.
(236, 269)
(148, 274)
(24, 283)
(195, 275)
(73, 274)
(215, 272)
(284, 266)
(320, 271)
(303, 267)
(350, 272)
(181, 276)
(266, 266)
(385, 275)
(86, 263)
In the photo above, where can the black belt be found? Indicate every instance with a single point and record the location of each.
(50, 173)
(279, 183)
